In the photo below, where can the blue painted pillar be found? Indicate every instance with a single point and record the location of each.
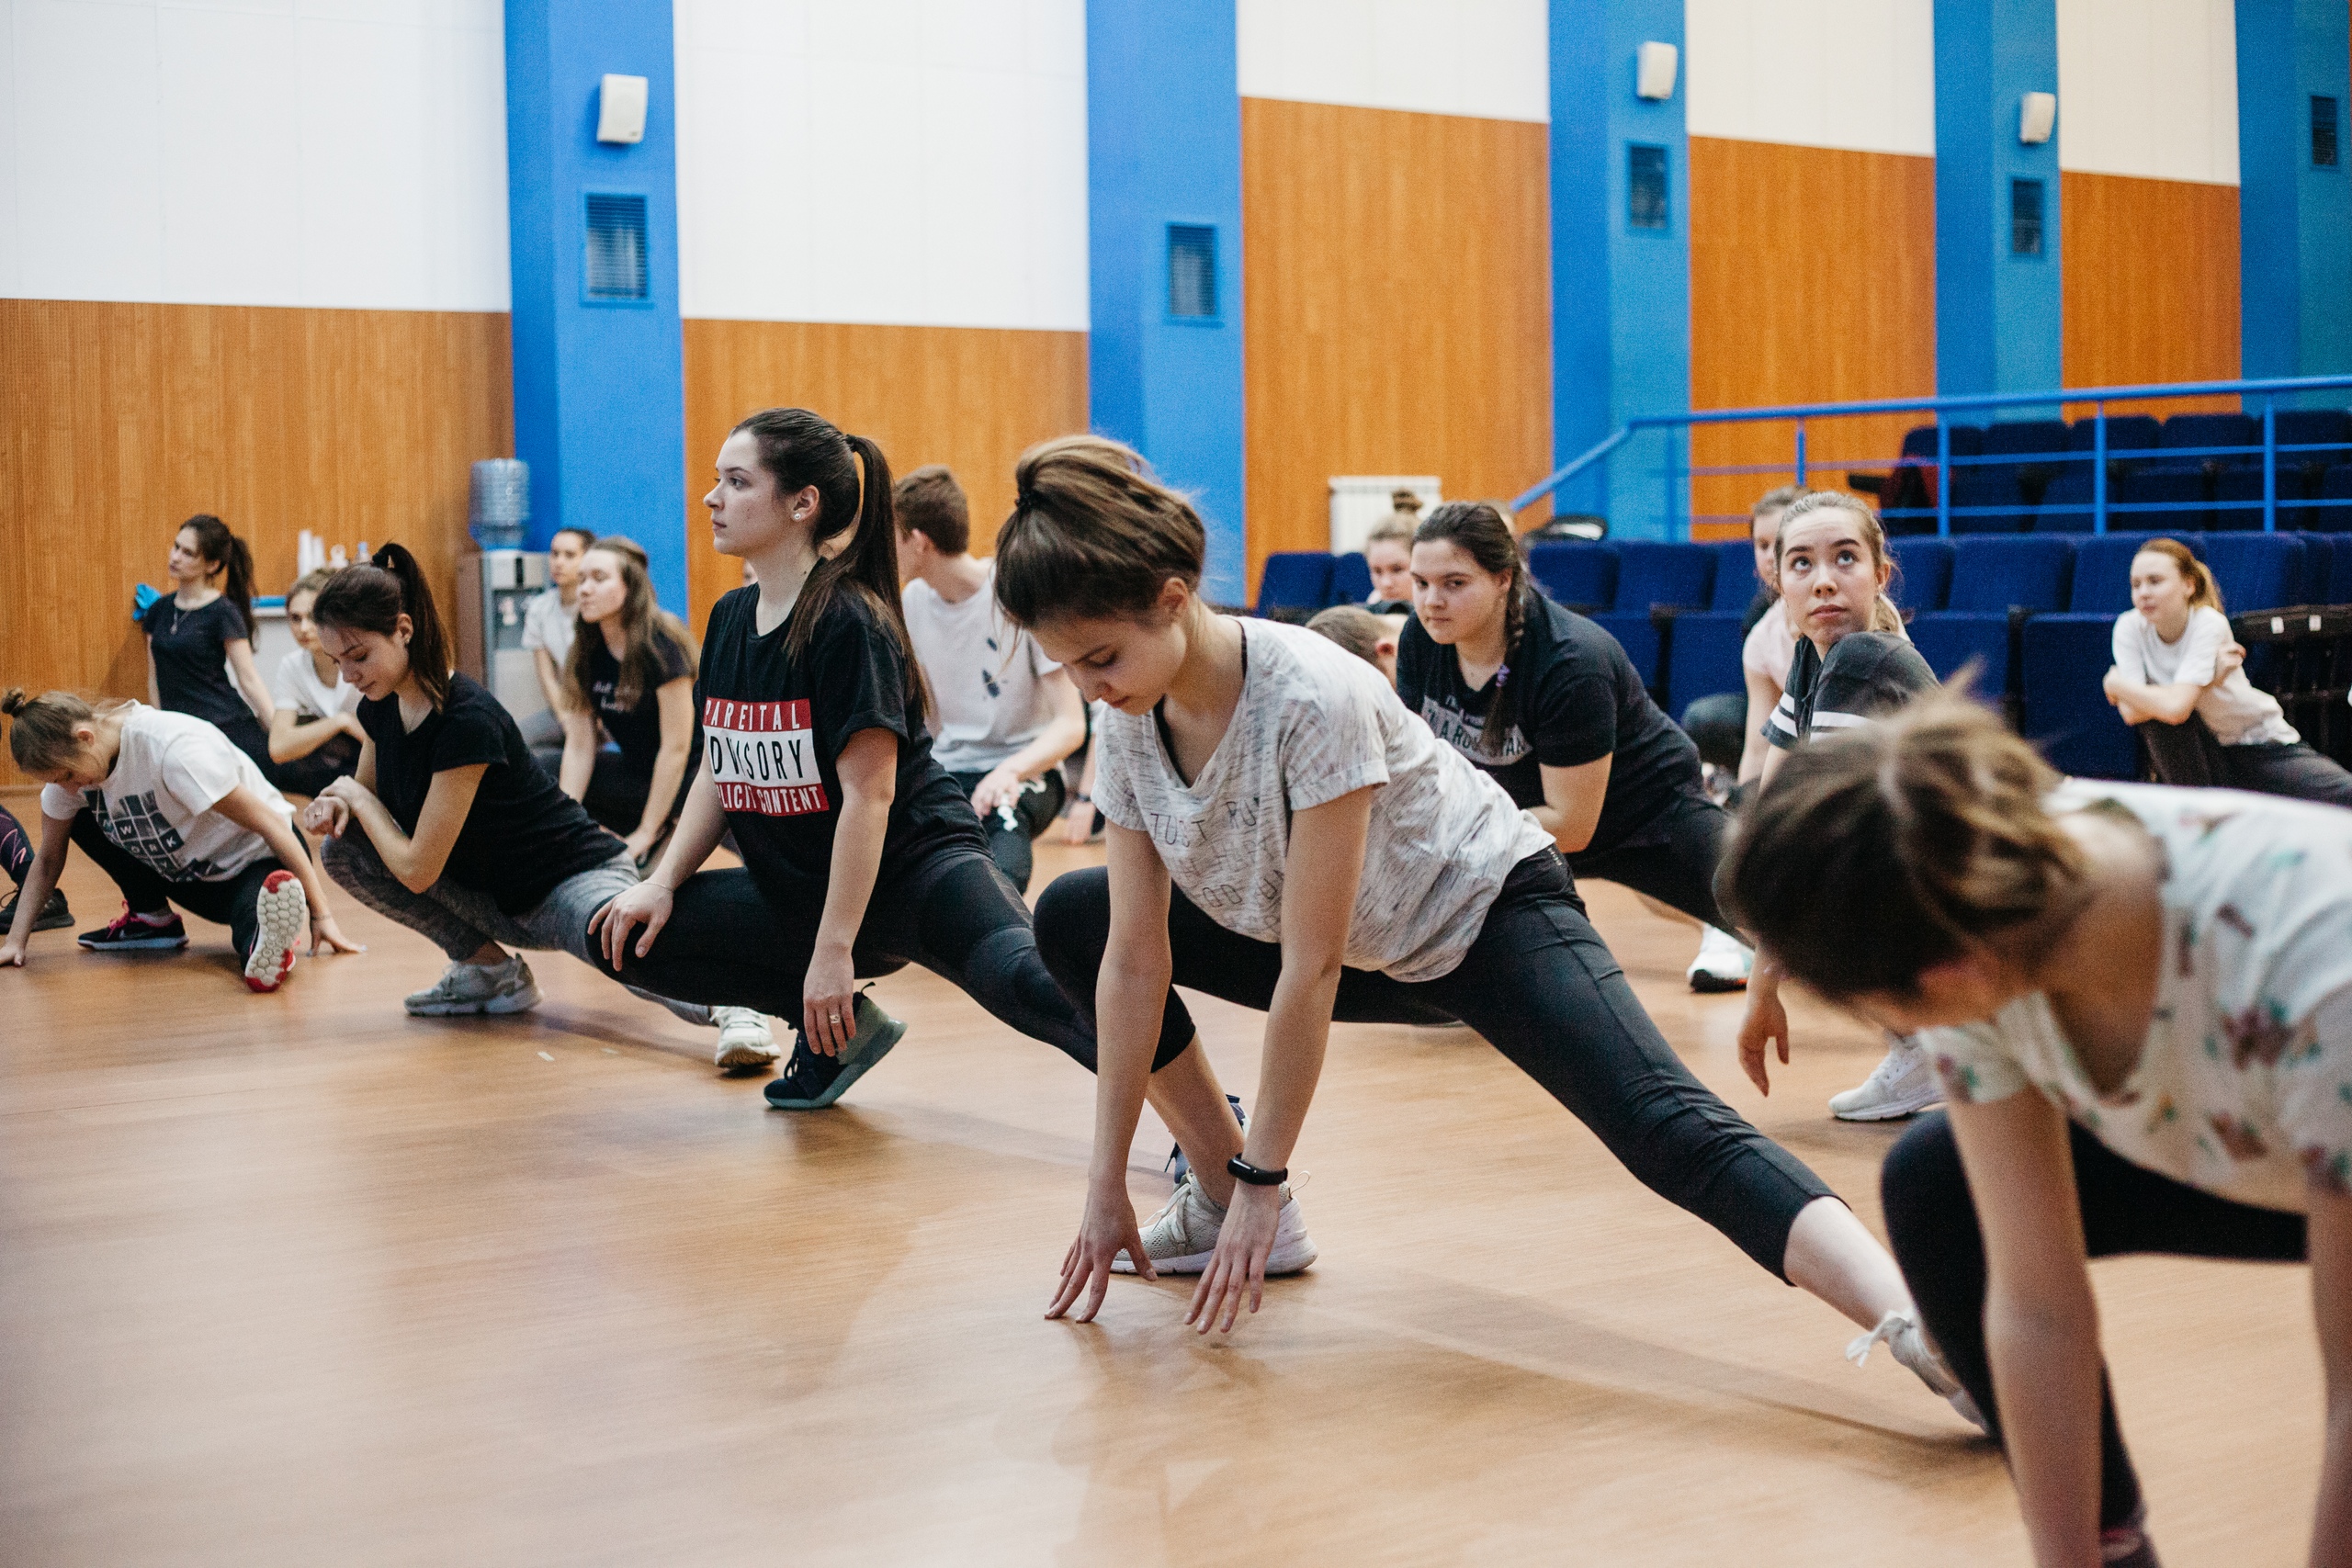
(599, 377)
(1997, 305)
(1163, 124)
(1621, 262)
(2294, 213)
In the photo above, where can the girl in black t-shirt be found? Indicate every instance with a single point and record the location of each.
(198, 632)
(631, 673)
(860, 853)
(459, 834)
(1548, 703)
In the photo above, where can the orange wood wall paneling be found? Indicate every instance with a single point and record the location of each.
(970, 397)
(2150, 285)
(1396, 274)
(123, 419)
(1812, 279)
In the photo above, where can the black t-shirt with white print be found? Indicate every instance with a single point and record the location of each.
(773, 727)
(1578, 699)
(636, 731)
(1867, 674)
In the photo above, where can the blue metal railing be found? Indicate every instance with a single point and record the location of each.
(2098, 507)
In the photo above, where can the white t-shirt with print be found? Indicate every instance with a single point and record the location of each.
(300, 688)
(1769, 647)
(157, 803)
(986, 675)
(1315, 723)
(2235, 710)
(2243, 1085)
(549, 622)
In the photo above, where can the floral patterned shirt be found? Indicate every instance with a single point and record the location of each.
(2244, 1085)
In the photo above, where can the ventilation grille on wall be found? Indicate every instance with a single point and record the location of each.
(2025, 218)
(1192, 270)
(2324, 153)
(1645, 186)
(616, 265)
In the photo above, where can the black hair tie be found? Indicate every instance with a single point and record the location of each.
(1026, 501)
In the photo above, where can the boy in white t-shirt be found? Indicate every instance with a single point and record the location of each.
(175, 814)
(1005, 715)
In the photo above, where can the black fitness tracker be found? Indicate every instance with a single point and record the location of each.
(1250, 1175)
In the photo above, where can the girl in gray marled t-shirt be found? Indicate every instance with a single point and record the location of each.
(1315, 723)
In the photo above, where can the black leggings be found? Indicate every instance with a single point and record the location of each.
(336, 758)
(616, 793)
(1009, 843)
(15, 847)
(1931, 1221)
(1540, 985)
(728, 945)
(1679, 873)
(229, 901)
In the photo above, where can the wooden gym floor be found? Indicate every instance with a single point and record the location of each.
(297, 1279)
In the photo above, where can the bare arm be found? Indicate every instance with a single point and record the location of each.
(551, 681)
(245, 809)
(40, 880)
(677, 700)
(249, 681)
(869, 769)
(1763, 696)
(1062, 735)
(416, 861)
(2137, 701)
(578, 750)
(2040, 1321)
(1572, 801)
(2331, 1254)
(292, 735)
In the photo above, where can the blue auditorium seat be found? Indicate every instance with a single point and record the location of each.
(1295, 580)
(1990, 500)
(2339, 575)
(2126, 433)
(2319, 565)
(1656, 575)
(2165, 496)
(2067, 505)
(2103, 571)
(1949, 640)
(2237, 499)
(2209, 431)
(1922, 572)
(2064, 710)
(1703, 656)
(1578, 575)
(1735, 581)
(2256, 571)
(2316, 439)
(2332, 511)
(1992, 575)
(1351, 578)
(1638, 636)
(1919, 452)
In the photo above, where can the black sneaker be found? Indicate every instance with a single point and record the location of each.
(811, 1081)
(131, 932)
(54, 915)
(1177, 1165)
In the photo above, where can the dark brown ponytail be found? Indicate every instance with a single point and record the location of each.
(226, 554)
(373, 598)
(803, 450)
(1479, 530)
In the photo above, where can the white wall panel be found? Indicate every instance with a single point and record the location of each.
(300, 152)
(2149, 88)
(912, 162)
(1858, 74)
(1486, 59)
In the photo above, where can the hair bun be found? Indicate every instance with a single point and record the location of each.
(14, 702)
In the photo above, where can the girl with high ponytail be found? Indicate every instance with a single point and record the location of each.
(203, 630)
(860, 854)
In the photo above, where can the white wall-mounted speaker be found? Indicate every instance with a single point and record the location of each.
(1654, 76)
(2037, 113)
(620, 109)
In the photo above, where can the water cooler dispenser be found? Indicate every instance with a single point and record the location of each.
(496, 584)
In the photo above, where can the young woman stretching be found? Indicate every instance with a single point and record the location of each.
(1285, 835)
(314, 734)
(459, 835)
(197, 633)
(2172, 664)
(860, 854)
(175, 815)
(1852, 664)
(631, 673)
(1545, 702)
(2139, 1000)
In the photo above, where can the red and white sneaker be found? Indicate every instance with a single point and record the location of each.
(281, 918)
(131, 932)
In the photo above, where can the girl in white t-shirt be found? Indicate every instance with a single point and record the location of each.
(314, 734)
(2175, 658)
(176, 815)
(1285, 835)
(2139, 1000)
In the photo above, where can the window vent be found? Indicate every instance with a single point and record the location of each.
(1191, 271)
(1645, 186)
(616, 256)
(2324, 153)
(2025, 218)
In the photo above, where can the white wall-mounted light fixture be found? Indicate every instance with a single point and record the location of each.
(620, 109)
(2037, 112)
(1653, 76)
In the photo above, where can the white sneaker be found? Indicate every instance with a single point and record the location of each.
(281, 920)
(1902, 1335)
(1181, 1237)
(472, 987)
(1722, 963)
(1903, 1085)
(744, 1040)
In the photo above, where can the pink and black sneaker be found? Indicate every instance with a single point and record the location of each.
(131, 932)
(281, 918)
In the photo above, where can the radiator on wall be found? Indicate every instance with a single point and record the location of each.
(1359, 500)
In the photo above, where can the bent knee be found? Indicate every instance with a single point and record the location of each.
(1922, 1185)
(1073, 923)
